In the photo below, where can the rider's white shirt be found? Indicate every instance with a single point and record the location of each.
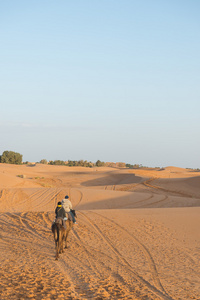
(67, 205)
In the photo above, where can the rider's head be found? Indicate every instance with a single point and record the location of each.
(59, 204)
(66, 197)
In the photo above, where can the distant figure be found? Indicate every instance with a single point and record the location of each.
(67, 205)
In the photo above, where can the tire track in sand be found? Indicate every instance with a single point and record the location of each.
(90, 256)
(161, 293)
(46, 197)
(156, 202)
(25, 217)
(110, 187)
(81, 244)
(86, 266)
(18, 232)
(81, 198)
(13, 193)
(148, 184)
(26, 226)
(144, 250)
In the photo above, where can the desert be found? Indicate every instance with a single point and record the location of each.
(99, 106)
(137, 235)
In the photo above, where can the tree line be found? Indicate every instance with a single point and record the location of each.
(74, 163)
(11, 157)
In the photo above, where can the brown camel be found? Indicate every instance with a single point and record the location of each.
(61, 234)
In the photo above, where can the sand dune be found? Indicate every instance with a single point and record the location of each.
(137, 236)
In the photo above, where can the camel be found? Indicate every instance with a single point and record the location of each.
(61, 233)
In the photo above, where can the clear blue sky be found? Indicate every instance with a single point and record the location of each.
(115, 80)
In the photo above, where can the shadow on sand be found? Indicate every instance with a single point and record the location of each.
(113, 179)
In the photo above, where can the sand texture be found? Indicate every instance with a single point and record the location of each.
(138, 233)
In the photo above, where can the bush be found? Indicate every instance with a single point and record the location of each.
(121, 165)
(80, 163)
(10, 157)
(71, 163)
(57, 162)
(136, 166)
(100, 163)
(43, 161)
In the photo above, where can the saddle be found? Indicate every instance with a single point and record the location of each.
(60, 221)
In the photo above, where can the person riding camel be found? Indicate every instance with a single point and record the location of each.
(60, 213)
(67, 205)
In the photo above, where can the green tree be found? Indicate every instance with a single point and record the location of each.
(43, 161)
(81, 163)
(135, 166)
(57, 162)
(11, 157)
(70, 163)
(100, 163)
(129, 166)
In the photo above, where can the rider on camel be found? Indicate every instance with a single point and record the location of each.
(67, 205)
(60, 213)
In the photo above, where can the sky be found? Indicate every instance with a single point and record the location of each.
(109, 80)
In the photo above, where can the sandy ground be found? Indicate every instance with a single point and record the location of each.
(137, 236)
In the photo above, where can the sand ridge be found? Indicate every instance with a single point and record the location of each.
(137, 235)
